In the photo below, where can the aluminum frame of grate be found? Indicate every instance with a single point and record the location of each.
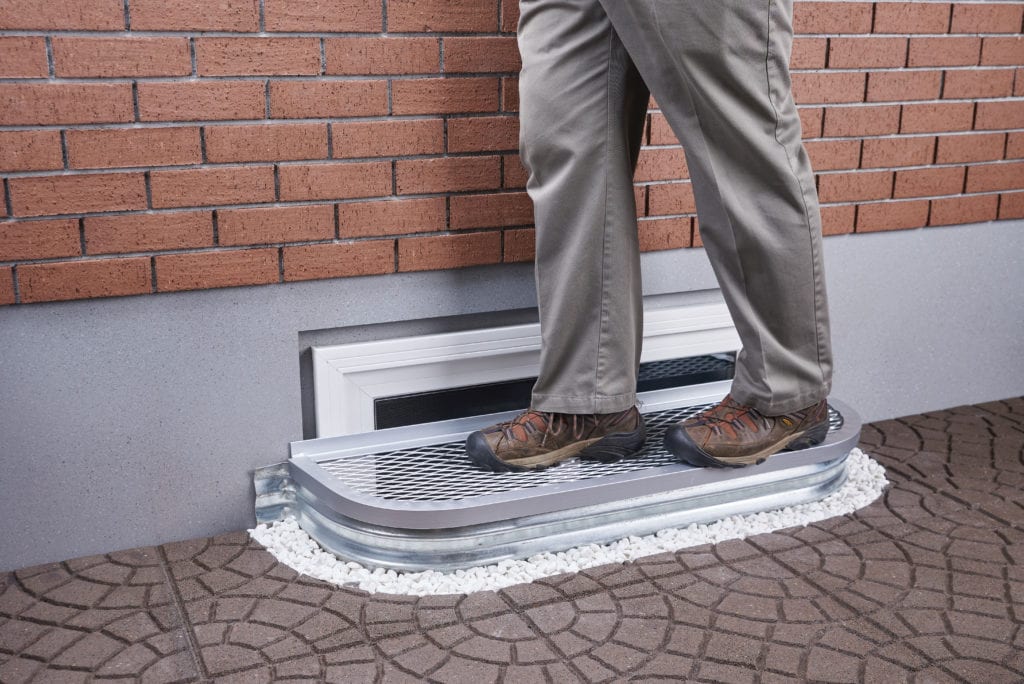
(407, 498)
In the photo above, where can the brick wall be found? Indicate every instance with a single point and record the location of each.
(160, 145)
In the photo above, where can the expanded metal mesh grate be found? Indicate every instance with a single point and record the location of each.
(443, 472)
(689, 365)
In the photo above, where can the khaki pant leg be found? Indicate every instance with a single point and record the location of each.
(582, 110)
(719, 69)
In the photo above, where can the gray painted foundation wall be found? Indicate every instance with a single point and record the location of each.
(133, 421)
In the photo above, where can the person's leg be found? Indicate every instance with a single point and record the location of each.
(719, 69)
(582, 111)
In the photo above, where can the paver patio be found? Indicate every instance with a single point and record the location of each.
(926, 584)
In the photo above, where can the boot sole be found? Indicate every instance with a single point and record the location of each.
(607, 449)
(680, 445)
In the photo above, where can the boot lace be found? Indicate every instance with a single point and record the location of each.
(554, 424)
(730, 412)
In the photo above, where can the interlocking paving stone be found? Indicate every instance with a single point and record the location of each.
(113, 616)
(926, 584)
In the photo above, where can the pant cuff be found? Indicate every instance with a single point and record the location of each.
(556, 403)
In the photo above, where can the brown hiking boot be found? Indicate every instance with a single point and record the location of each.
(731, 434)
(535, 440)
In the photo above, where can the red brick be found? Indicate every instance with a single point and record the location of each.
(666, 199)
(444, 95)
(266, 225)
(697, 240)
(23, 57)
(860, 185)
(887, 152)
(391, 217)
(520, 245)
(491, 211)
(808, 53)
(892, 215)
(664, 233)
(204, 270)
(30, 150)
(64, 103)
(6, 285)
(661, 132)
(963, 209)
(937, 118)
(832, 17)
(449, 16)
(148, 232)
(944, 51)
(1008, 51)
(996, 115)
(1018, 84)
(1011, 205)
(334, 181)
(448, 174)
(970, 147)
(509, 17)
(88, 279)
(39, 239)
(986, 18)
(662, 163)
(837, 219)
(856, 121)
(660, 204)
(363, 56)
(394, 138)
(188, 15)
(830, 155)
(510, 94)
(483, 134)
(911, 17)
(198, 100)
(257, 56)
(827, 86)
(515, 173)
(901, 86)
(1003, 176)
(939, 180)
(338, 260)
(1014, 146)
(811, 119)
(851, 53)
(91, 15)
(327, 99)
(266, 142)
(449, 251)
(490, 53)
(978, 83)
(114, 57)
(121, 147)
(211, 186)
(54, 195)
(331, 16)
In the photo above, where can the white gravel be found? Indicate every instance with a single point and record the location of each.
(296, 549)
